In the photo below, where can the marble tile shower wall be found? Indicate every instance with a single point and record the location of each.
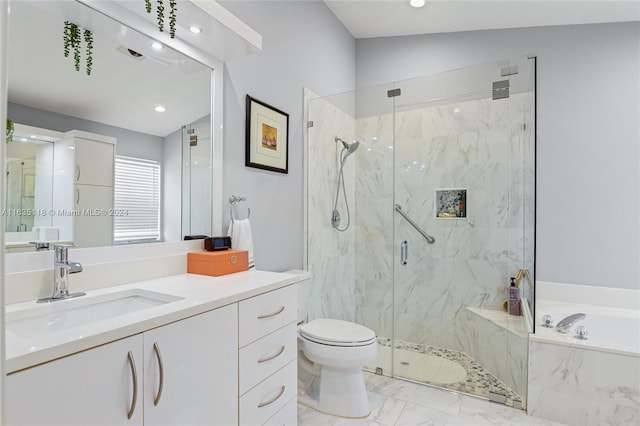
(330, 253)
(374, 225)
(477, 145)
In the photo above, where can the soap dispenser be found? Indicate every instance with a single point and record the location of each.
(514, 298)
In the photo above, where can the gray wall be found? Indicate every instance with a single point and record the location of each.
(304, 45)
(588, 158)
(130, 143)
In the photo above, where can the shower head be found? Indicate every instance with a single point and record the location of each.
(349, 147)
(352, 148)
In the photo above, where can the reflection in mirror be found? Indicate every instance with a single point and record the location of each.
(29, 177)
(196, 188)
(130, 76)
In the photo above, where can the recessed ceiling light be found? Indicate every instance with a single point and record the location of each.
(194, 29)
(157, 45)
(23, 139)
(416, 3)
(160, 108)
(456, 110)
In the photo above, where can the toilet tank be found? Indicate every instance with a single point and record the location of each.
(304, 292)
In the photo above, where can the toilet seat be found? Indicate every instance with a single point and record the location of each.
(340, 333)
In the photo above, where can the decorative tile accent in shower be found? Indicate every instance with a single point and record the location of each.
(450, 203)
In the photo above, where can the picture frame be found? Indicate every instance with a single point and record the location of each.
(267, 137)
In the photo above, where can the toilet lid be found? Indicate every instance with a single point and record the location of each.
(337, 332)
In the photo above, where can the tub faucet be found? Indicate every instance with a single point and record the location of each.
(565, 324)
(61, 270)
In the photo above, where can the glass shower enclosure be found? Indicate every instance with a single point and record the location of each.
(441, 199)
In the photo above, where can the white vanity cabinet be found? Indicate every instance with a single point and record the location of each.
(190, 370)
(185, 374)
(267, 352)
(88, 388)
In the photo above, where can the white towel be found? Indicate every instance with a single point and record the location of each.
(240, 233)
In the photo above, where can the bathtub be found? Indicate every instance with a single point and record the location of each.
(609, 329)
(586, 382)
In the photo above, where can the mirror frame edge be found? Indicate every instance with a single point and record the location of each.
(4, 20)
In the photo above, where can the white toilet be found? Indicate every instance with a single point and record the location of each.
(331, 354)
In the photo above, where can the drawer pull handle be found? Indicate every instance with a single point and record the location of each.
(274, 399)
(279, 311)
(270, 357)
(134, 375)
(156, 349)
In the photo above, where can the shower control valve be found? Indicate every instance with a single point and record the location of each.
(547, 321)
(335, 218)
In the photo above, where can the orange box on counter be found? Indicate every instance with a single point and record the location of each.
(216, 263)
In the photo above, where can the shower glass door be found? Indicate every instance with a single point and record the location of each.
(458, 162)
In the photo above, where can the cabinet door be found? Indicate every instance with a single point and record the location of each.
(94, 387)
(93, 226)
(191, 370)
(94, 162)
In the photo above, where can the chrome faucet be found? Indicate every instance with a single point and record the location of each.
(565, 324)
(61, 270)
(40, 245)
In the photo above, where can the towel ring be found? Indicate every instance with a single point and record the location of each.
(233, 200)
(231, 214)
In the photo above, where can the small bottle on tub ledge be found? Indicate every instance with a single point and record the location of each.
(514, 298)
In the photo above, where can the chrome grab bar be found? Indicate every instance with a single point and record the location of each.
(426, 236)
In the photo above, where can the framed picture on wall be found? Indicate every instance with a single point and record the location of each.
(267, 137)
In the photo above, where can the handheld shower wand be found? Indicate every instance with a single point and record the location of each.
(347, 150)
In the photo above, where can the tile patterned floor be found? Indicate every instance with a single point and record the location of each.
(397, 403)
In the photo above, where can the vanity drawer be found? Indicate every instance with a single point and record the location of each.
(264, 357)
(263, 401)
(266, 313)
(287, 416)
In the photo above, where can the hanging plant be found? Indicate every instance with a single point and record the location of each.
(172, 18)
(160, 15)
(10, 130)
(88, 39)
(72, 39)
(67, 38)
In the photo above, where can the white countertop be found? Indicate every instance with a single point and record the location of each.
(199, 294)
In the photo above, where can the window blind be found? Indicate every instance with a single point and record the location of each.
(136, 200)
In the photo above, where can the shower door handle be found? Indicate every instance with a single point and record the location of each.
(404, 252)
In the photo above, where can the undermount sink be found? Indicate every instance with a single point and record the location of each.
(65, 314)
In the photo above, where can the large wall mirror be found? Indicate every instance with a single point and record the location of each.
(69, 126)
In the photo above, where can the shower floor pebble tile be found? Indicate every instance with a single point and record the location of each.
(477, 381)
(396, 403)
